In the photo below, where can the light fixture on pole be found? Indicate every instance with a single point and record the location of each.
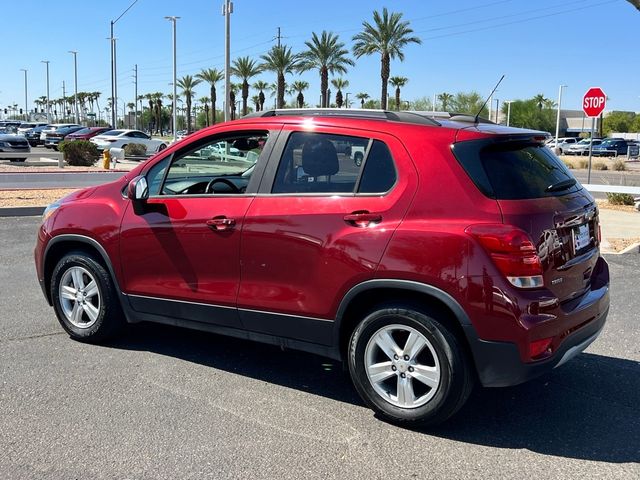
(75, 84)
(508, 102)
(173, 20)
(558, 117)
(227, 10)
(26, 110)
(46, 62)
(114, 81)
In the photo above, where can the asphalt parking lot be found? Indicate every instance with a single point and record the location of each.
(169, 403)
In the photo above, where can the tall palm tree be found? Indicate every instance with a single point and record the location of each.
(300, 86)
(211, 76)
(328, 55)
(281, 60)
(256, 102)
(398, 82)
(260, 85)
(187, 84)
(388, 36)
(157, 110)
(245, 68)
(339, 84)
(445, 98)
(363, 97)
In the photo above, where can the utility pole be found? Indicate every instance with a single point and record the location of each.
(114, 80)
(508, 102)
(26, 111)
(75, 85)
(135, 94)
(64, 100)
(278, 37)
(227, 10)
(558, 117)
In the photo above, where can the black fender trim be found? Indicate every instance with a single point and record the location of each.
(103, 254)
(407, 285)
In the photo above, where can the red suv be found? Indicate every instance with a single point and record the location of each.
(452, 251)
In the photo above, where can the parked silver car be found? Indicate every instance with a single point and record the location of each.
(582, 147)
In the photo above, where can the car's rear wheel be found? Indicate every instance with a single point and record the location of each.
(162, 147)
(408, 367)
(85, 299)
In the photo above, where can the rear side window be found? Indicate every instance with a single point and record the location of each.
(514, 170)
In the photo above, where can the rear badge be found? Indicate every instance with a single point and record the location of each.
(556, 281)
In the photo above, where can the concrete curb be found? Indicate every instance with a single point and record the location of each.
(21, 211)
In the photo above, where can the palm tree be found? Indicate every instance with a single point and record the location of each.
(157, 110)
(187, 84)
(339, 84)
(256, 102)
(362, 97)
(131, 106)
(245, 68)
(281, 60)
(260, 85)
(328, 55)
(300, 86)
(211, 76)
(398, 82)
(205, 102)
(540, 100)
(445, 98)
(388, 36)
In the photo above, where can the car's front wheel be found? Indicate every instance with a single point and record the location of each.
(408, 367)
(85, 299)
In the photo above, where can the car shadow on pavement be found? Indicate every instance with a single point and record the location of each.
(587, 409)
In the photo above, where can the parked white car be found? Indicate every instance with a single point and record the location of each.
(563, 143)
(122, 138)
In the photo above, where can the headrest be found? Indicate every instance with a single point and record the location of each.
(319, 157)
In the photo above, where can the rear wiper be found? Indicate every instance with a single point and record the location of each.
(563, 185)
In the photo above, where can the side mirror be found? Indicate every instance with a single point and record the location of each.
(138, 189)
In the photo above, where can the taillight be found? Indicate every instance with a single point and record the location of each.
(540, 348)
(512, 251)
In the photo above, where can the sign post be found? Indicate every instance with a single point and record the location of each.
(593, 104)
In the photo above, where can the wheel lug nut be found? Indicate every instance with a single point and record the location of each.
(394, 368)
(395, 357)
(411, 369)
(402, 375)
(406, 357)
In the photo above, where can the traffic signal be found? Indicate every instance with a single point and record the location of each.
(20, 111)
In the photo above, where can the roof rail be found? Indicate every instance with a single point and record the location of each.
(408, 117)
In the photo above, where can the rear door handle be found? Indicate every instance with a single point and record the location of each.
(221, 223)
(362, 218)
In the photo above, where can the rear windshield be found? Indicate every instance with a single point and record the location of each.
(514, 170)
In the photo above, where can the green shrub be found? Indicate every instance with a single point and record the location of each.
(600, 166)
(619, 165)
(583, 163)
(620, 198)
(80, 153)
(135, 150)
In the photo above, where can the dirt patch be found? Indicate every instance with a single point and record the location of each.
(619, 244)
(604, 204)
(32, 198)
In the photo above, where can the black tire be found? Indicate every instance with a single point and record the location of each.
(456, 377)
(357, 158)
(109, 319)
(162, 147)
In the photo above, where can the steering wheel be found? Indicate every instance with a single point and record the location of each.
(226, 181)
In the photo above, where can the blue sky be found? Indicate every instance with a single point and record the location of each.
(467, 45)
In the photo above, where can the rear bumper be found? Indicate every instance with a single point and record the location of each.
(500, 364)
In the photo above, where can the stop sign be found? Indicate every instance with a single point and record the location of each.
(593, 102)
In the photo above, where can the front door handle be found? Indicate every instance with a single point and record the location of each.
(362, 218)
(221, 223)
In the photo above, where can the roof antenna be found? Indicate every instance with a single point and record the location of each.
(475, 120)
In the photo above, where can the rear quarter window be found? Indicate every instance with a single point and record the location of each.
(513, 170)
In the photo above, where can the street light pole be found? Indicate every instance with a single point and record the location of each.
(75, 84)
(46, 62)
(558, 117)
(114, 81)
(227, 10)
(508, 102)
(173, 20)
(25, 94)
